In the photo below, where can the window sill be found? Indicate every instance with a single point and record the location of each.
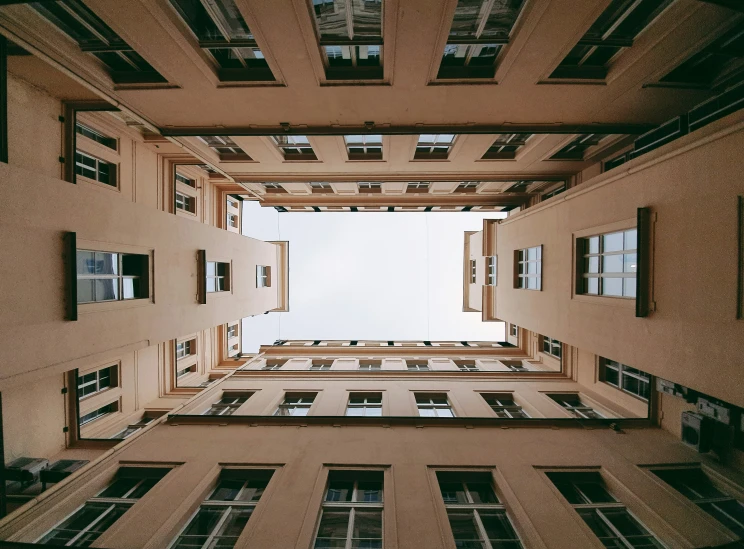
(82, 179)
(606, 301)
(85, 308)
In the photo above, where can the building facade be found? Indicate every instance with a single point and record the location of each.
(606, 135)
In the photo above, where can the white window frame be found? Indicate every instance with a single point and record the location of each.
(431, 405)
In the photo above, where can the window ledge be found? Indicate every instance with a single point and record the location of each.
(606, 301)
(85, 308)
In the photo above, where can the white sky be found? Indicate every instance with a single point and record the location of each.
(364, 275)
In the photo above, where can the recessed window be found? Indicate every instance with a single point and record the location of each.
(125, 66)
(275, 188)
(513, 330)
(364, 147)
(226, 39)
(320, 366)
(273, 365)
(95, 168)
(476, 516)
(95, 135)
(186, 371)
(514, 365)
(350, 38)
(491, 271)
(473, 271)
(609, 35)
(370, 187)
(551, 346)
(625, 378)
(295, 404)
(609, 264)
(185, 180)
(185, 348)
(370, 366)
(147, 418)
(185, 203)
(480, 30)
(608, 518)
(321, 187)
(575, 406)
(529, 268)
(434, 147)
(553, 192)
(111, 408)
(232, 220)
(695, 485)
(232, 331)
(418, 187)
(109, 276)
(417, 366)
(227, 150)
(95, 382)
(99, 513)
(222, 517)
(263, 276)
(364, 404)
(578, 146)
(465, 366)
(433, 405)
(294, 147)
(506, 146)
(504, 406)
(227, 405)
(218, 276)
(351, 512)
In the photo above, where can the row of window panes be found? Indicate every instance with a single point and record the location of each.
(352, 508)
(411, 366)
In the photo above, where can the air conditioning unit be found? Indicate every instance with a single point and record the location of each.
(697, 431)
(25, 470)
(60, 469)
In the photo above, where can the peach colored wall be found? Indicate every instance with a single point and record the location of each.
(691, 185)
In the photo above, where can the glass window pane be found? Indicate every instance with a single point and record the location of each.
(612, 286)
(85, 290)
(367, 524)
(592, 285)
(629, 287)
(85, 262)
(481, 492)
(107, 263)
(592, 264)
(107, 289)
(594, 245)
(497, 525)
(729, 512)
(463, 526)
(612, 242)
(235, 523)
(204, 522)
(227, 490)
(334, 524)
(612, 263)
(340, 491)
(453, 492)
(631, 239)
(630, 263)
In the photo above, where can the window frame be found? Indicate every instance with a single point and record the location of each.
(521, 257)
(263, 276)
(228, 403)
(144, 276)
(581, 411)
(473, 271)
(299, 405)
(584, 255)
(113, 168)
(502, 406)
(430, 405)
(365, 395)
(285, 143)
(365, 155)
(492, 263)
(226, 277)
(433, 144)
(96, 136)
(113, 381)
(621, 374)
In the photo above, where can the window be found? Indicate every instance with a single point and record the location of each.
(608, 518)
(364, 147)
(226, 39)
(418, 187)
(350, 38)
(476, 516)
(554, 192)
(506, 146)
(551, 346)
(134, 427)
(186, 371)
(417, 366)
(514, 365)
(222, 517)
(185, 348)
(625, 378)
(111, 408)
(468, 187)
(613, 31)
(218, 276)
(296, 404)
(294, 147)
(97, 515)
(369, 366)
(504, 406)
(232, 331)
(125, 66)
(232, 220)
(369, 187)
(227, 150)
(364, 404)
(575, 406)
(716, 66)
(695, 485)
(351, 512)
(320, 367)
(480, 29)
(433, 405)
(95, 168)
(513, 330)
(491, 271)
(273, 366)
(185, 203)
(529, 268)
(95, 135)
(95, 382)
(109, 276)
(185, 180)
(323, 188)
(263, 276)
(609, 263)
(273, 188)
(227, 405)
(577, 147)
(473, 271)
(434, 147)
(467, 366)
